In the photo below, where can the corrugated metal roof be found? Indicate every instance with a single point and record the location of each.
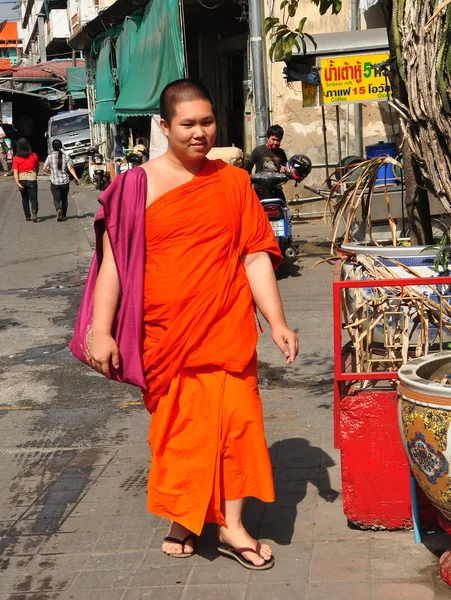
(54, 69)
(345, 42)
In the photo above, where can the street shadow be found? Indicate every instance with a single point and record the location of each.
(288, 269)
(296, 464)
(68, 218)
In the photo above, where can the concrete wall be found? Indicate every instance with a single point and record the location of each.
(303, 126)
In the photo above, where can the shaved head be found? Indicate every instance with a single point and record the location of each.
(182, 90)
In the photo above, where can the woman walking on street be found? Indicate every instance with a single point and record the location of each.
(26, 169)
(59, 166)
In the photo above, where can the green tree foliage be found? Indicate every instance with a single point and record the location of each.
(284, 38)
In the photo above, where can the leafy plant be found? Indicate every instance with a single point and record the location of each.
(441, 259)
(283, 38)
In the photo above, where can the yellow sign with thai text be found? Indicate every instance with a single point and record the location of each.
(360, 78)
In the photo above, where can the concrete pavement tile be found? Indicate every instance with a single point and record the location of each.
(285, 532)
(297, 474)
(218, 592)
(339, 591)
(5, 526)
(92, 595)
(157, 558)
(276, 591)
(82, 524)
(283, 571)
(93, 456)
(118, 560)
(9, 512)
(102, 580)
(403, 561)
(161, 593)
(333, 550)
(403, 591)
(295, 550)
(340, 569)
(331, 523)
(298, 486)
(162, 575)
(21, 546)
(44, 582)
(123, 538)
(129, 453)
(57, 563)
(11, 568)
(70, 543)
(48, 512)
(331, 478)
(65, 484)
(35, 596)
(219, 571)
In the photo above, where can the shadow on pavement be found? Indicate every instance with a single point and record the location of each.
(296, 463)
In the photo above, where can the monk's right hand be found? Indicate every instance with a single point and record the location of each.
(103, 350)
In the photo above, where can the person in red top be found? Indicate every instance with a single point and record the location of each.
(26, 169)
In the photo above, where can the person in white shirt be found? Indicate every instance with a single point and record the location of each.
(2, 151)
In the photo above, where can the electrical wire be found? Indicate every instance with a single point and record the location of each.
(213, 7)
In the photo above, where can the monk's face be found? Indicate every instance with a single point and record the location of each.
(192, 131)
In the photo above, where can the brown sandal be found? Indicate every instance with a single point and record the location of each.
(174, 540)
(236, 554)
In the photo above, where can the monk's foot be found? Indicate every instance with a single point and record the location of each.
(238, 537)
(178, 532)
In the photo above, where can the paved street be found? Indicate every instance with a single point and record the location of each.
(74, 456)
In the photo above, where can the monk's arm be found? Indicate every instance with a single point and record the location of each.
(106, 299)
(265, 292)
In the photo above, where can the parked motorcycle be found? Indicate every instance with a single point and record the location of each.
(268, 185)
(97, 168)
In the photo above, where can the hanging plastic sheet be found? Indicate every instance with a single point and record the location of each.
(104, 111)
(158, 59)
(126, 45)
(76, 82)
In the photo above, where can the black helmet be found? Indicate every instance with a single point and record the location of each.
(298, 167)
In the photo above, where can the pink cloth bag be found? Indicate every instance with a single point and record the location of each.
(122, 214)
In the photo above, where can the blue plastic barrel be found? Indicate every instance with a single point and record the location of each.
(385, 175)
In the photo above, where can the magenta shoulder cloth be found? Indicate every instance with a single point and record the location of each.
(122, 214)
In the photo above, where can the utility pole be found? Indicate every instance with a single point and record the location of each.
(258, 69)
(358, 120)
(42, 48)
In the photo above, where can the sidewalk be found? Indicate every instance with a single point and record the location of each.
(73, 500)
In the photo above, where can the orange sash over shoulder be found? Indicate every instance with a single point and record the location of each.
(198, 307)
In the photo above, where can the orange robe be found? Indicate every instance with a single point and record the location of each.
(200, 336)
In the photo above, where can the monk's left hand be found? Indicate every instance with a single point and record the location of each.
(287, 341)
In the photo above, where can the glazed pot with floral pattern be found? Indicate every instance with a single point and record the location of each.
(425, 425)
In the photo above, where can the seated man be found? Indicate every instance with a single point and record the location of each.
(269, 156)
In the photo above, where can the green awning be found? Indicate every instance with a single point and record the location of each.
(126, 44)
(76, 82)
(158, 59)
(104, 111)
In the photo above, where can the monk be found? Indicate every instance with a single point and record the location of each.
(210, 255)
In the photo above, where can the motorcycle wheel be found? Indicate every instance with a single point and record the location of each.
(98, 181)
(290, 252)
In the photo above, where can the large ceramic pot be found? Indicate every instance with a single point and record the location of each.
(418, 259)
(425, 425)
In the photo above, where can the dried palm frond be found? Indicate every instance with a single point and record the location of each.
(406, 314)
(354, 188)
